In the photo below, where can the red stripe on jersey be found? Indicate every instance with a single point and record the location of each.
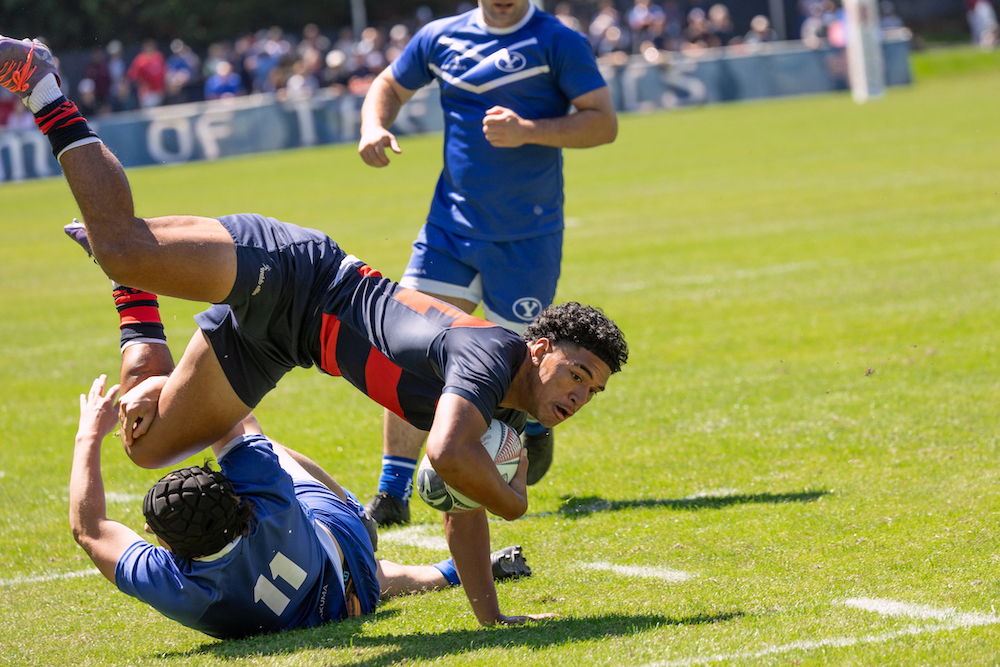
(140, 315)
(381, 380)
(328, 345)
(366, 270)
(422, 303)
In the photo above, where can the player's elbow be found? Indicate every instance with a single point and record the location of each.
(609, 129)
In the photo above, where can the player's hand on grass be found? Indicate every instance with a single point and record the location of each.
(98, 416)
(504, 128)
(137, 408)
(372, 146)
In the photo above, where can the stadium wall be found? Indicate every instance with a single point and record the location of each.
(258, 123)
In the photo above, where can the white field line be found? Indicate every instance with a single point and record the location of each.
(955, 620)
(673, 576)
(17, 581)
(414, 536)
(925, 612)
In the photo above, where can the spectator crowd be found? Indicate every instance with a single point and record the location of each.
(273, 61)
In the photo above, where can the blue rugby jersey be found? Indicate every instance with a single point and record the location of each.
(277, 578)
(534, 68)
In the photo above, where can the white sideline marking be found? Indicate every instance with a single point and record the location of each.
(675, 576)
(414, 536)
(955, 621)
(893, 608)
(118, 497)
(17, 581)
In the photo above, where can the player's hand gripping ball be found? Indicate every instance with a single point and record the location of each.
(503, 445)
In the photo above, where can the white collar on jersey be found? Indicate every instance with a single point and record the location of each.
(219, 554)
(504, 31)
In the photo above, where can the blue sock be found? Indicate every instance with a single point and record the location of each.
(447, 568)
(397, 476)
(534, 428)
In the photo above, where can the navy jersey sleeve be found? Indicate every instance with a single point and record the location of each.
(480, 365)
(575, 67)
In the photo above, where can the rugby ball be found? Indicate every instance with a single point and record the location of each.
(503, 445)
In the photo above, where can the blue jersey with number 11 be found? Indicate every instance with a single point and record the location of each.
(533, 68)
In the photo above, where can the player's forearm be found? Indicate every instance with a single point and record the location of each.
(584, 129)
(87, 506)
(473, 474)
(468, 535)
(381, 106)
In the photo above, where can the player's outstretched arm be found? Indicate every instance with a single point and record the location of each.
(593, 124)
(104, 540)
(378, 112)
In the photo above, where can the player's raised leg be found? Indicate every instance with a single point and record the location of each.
(184, 256)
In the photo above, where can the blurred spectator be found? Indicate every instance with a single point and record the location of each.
(399, 37)
(605, 31)
(86, 100)
(116, 63)
(888, 18)
(720, 24)
(183, 74)
(147, 72)
(698, 34)
(100, 74)
(983, 23)
(336, 73)
(223, 82)
(644, 19)
(123, 97)
(760, 31)
(564, 12)
(813, 30)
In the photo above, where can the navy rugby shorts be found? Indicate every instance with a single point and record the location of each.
(270, 321)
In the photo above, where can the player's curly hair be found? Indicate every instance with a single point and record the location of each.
(581, 325)
(196, 511)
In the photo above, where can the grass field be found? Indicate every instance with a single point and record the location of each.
(797, 466)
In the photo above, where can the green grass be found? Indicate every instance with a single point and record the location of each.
(810, 289)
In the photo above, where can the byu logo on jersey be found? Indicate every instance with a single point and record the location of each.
(527, 308)
(510, 61)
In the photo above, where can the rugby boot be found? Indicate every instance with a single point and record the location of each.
(509, 563)
(23, 64)
(388, 510)
(540, 450)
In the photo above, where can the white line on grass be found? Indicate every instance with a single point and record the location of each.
(414, 536)
(894, 608)
(664, 574)
(956, 621)
(17, 581)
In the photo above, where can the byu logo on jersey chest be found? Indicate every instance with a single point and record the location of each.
(527, 308)
(510, 61)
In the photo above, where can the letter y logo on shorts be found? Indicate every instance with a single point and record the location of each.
(527, 308)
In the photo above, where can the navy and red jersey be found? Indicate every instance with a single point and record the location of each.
(300, 300)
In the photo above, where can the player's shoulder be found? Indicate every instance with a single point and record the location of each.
(446, 25)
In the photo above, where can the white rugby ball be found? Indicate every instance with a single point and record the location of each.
(504, 447)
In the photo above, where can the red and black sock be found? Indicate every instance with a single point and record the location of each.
(63, 124)
(140, 316)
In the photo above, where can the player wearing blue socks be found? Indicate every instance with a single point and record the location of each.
(509, 74)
